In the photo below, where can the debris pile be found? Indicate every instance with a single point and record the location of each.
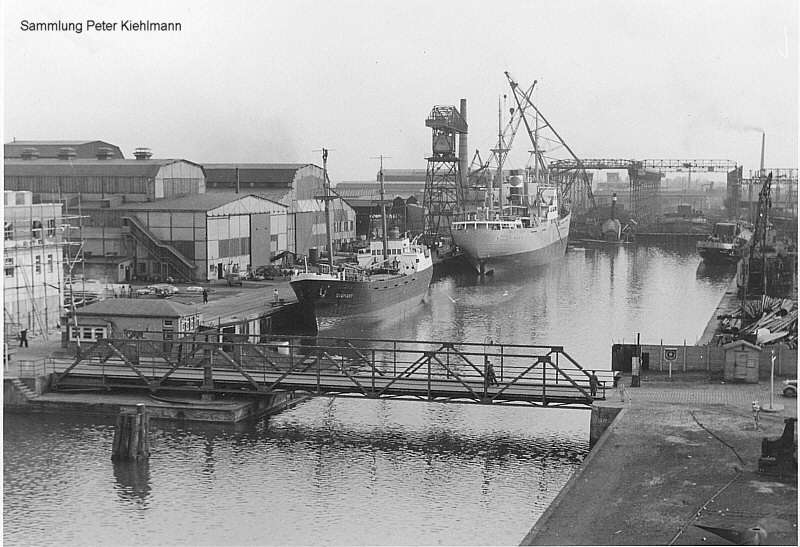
(768, 319)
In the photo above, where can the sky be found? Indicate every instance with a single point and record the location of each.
(276, 81)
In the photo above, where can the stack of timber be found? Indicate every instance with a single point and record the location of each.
(768, 319)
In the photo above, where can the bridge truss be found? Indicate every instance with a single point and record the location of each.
(216, 363)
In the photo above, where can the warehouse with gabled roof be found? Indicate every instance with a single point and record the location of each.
(296, 185)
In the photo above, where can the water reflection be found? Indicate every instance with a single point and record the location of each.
(715, 272)
(132, 481)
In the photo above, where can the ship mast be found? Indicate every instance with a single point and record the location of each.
(326, 184)
(383, 217)
(500, 151)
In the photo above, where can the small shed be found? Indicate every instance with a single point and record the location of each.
(124, 317)
(741, 362)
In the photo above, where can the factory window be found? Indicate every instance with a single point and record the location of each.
(51, 227)
(49, 263)
(9, 266)
(36, 228)
(9, 231)
(38, 262)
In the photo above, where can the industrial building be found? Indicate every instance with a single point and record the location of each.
(298, 186)
(152, 219)
(33, 260)
(52, 149)
(202, 236)
(403, 207)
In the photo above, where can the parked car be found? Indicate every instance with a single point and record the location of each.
(790, 388)
(233, 278)
(164, 287)
(264, 272)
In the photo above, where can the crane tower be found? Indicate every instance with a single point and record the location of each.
(444, 196)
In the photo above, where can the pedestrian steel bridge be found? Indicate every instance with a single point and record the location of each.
(220, 363)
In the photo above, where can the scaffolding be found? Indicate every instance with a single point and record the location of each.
(33, 257)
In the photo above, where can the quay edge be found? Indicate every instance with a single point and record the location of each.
(31, 396)
(648, 478)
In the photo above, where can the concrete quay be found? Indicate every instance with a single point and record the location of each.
(680, 452)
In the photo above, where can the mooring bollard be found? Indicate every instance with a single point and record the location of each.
(131, 435)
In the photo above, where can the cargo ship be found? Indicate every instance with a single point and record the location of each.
(530, 225)
(391, 276)
(726, 244)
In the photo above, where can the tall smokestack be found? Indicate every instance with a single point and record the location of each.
(763, 139)
(463, 147)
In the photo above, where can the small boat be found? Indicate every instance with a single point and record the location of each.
(726, 244)
(391, 277)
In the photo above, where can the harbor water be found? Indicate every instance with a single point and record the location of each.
(351, 471)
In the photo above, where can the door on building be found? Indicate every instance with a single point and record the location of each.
(127, 273)
(740, 368)
(220, 272)
(260, 242)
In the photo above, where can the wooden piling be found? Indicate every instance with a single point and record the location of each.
(131, 435)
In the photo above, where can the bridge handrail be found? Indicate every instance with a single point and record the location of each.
(383, 368)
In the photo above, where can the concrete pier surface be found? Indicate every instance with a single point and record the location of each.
(681, 452)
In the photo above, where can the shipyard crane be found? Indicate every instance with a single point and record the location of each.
(444, 193)
(544, 131)
(759, 238)
(762, 217)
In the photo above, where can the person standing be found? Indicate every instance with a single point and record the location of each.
(275, 296)
(623, 392)
(593, 383)
(205, 296)
(23, 338)
(491, 377)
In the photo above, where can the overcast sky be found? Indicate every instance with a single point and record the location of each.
(261, 81)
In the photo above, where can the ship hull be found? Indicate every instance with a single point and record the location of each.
(719, 253)
(489, 249)
(378, 297)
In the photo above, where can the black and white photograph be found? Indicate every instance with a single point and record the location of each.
(350, 272)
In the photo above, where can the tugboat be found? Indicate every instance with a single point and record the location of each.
(391, 277)
(726, 244)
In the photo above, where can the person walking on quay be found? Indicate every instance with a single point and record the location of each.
(593, 383)
(205, 296)
(23, 338)
(623, 392)
(275, 296)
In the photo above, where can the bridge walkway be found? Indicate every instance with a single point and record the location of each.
(434, 371)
